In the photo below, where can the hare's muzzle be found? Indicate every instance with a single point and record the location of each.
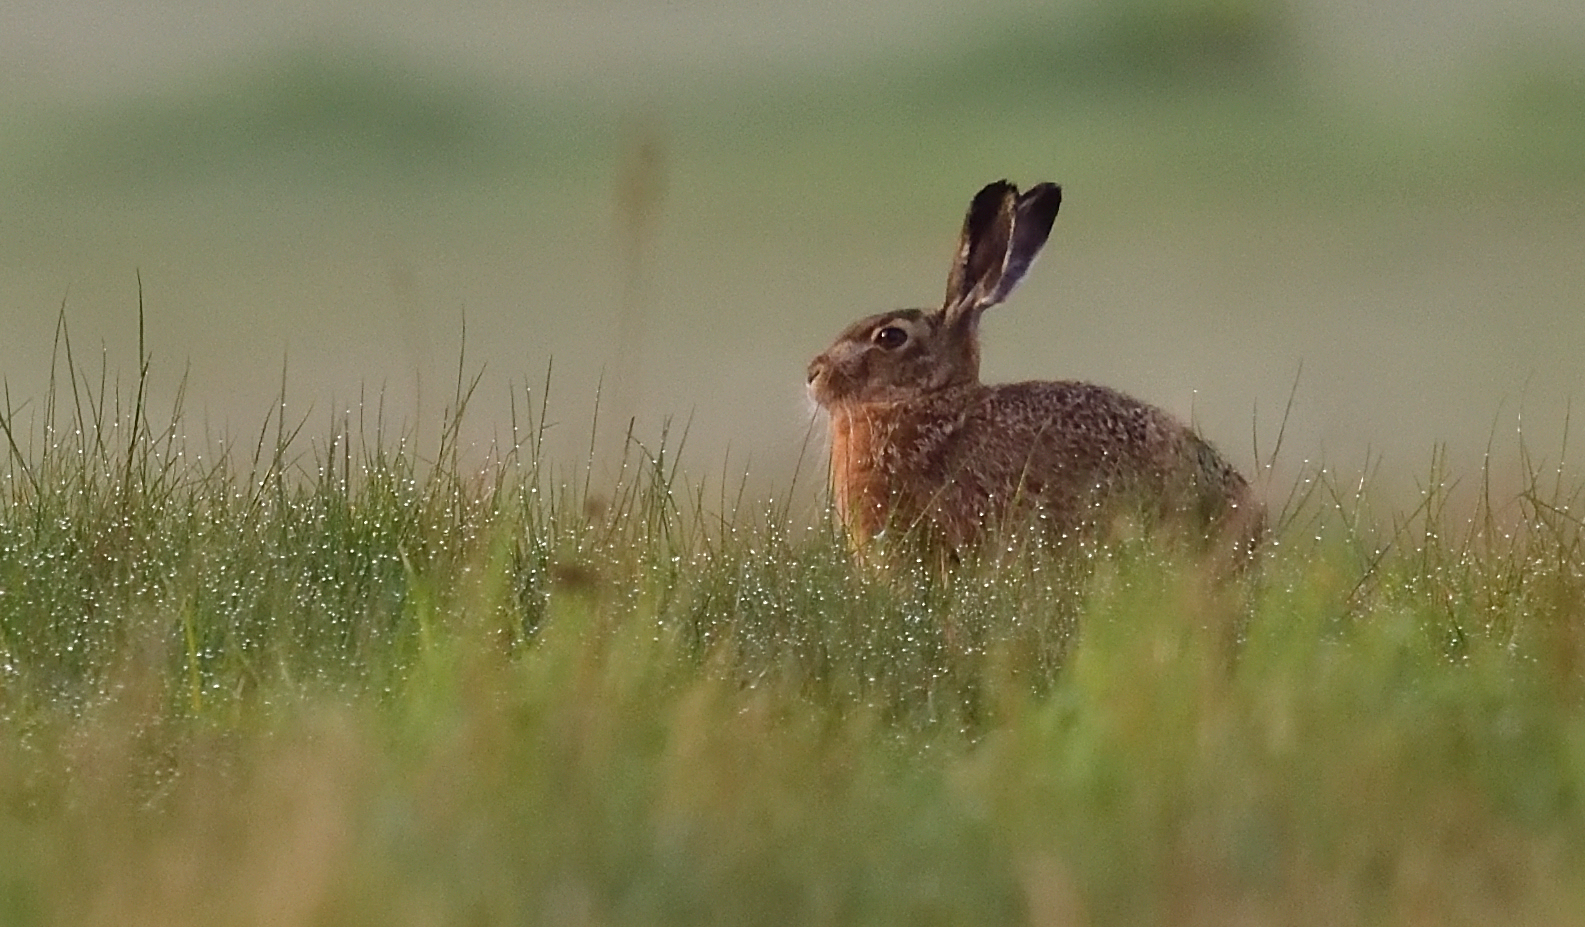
(818, 379)
(817, 368)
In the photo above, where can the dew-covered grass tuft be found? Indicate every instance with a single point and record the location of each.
(330, 673)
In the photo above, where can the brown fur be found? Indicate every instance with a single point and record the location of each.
(920, 447)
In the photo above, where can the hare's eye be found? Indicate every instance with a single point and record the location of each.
(890, 337)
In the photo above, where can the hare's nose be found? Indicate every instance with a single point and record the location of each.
(816, 367)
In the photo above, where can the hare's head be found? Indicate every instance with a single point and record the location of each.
(910, 352)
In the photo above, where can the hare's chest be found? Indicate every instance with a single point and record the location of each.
(883, 466)
(862, 472)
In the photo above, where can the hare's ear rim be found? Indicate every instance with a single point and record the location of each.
(1035, 214)
(982, 243)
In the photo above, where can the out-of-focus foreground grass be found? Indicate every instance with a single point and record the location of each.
(333, 677)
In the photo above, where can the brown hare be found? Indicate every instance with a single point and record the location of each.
(921, 449)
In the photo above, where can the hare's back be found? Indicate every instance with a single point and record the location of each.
(1068, 422)
(1075, 444)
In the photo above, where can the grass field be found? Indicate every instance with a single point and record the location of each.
(325, 675)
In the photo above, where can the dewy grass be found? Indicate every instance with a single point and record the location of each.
(327, 676)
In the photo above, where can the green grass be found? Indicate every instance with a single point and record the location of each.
(326, 675)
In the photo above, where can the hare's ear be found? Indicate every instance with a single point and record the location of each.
(1034, 214)
(982, 248)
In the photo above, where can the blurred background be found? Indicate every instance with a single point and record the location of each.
(678, 204)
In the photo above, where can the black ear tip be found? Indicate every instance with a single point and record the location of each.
(1046, 194)
(992, 195)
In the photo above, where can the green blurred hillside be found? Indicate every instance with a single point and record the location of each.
(1234, 213)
